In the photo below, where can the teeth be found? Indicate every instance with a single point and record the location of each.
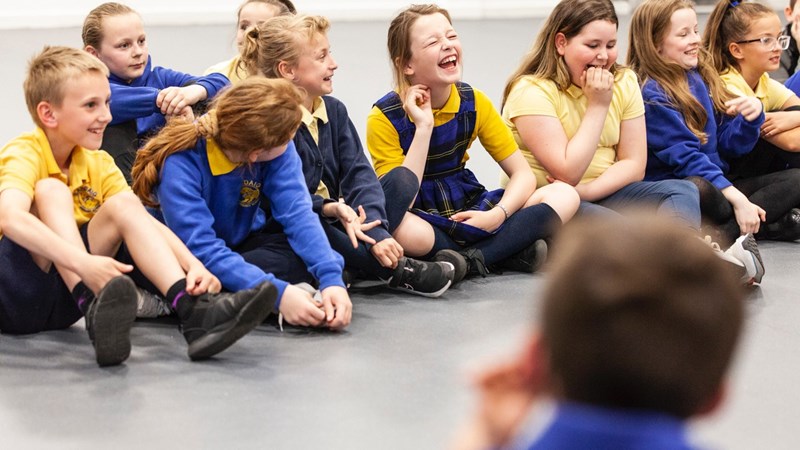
(448, 60)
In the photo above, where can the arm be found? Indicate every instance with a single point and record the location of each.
(417, 105)
(748, 215)
(132, 102)
(782, 128)
(738, 134)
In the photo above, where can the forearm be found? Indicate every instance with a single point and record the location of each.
(417, 154)
(619, 175)
(581, 148)
(27, 231)
(788, 140)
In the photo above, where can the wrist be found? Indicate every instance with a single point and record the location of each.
(503, 210)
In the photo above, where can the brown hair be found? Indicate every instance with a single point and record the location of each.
(646, 320)
(650, 24)
(568, 18)
(279, 39)
(258, 113)
(50, 69)
(399, 39)
(92, 32)
(729, 22)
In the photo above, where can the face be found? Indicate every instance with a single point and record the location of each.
(755, 56)
(682, 41)
(435, 52)
(314, 69)
(124, 46)
(253, 14)
(595, 45)
(84, 113)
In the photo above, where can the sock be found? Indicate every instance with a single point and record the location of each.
(180, 300)
(83, 296)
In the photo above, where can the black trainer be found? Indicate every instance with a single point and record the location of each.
(109, 319)
(529, 260)
(467, 262)
(428, 279)
(216, 321)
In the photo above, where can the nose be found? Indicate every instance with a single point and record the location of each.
(105, 116)
(602, 54)
(332, 64)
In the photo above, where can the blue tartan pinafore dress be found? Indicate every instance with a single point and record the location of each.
(447, 186)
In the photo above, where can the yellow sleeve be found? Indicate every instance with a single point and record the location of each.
(630, 96)
(736, 84)
(113, 182)
(494, 135)
(530, 98)
(777, 94)
(383, 142)
(20, 166)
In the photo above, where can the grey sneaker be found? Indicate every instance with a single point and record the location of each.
(109, 319)
(746, 251)
(150, 306)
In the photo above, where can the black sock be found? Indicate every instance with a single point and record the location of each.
(180, 300)
(83, 296)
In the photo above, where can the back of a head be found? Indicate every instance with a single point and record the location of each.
(51, 69)
(639, 314)
(281, 38)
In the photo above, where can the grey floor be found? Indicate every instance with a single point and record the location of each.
(396, 379)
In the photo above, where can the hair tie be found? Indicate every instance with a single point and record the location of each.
(207, 125)
(733, 4)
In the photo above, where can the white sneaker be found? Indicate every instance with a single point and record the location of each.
(150, 306)
(745, 250)
(737, 265)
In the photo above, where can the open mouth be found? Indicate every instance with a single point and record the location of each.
(596, 66)
(449, 63)
(97, 131)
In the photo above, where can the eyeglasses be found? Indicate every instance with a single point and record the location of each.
(768, 42)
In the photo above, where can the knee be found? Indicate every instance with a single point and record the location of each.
(50, 189)
(682, 188)
(401, 179)
(123, 204)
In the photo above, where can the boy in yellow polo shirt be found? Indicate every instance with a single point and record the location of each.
(66, 215)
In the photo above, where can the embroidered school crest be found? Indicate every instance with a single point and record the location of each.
(249, 193)
(86, 199)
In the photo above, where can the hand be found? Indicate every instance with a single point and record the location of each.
(778, 122)
(485, 220)
(95, 271)
(417, 105)
(387, 252)
(354, 224)
(299, 308)
(749, 216)
(199, 281)
(186, 113)
(173, 99)
(749, 107)
(337, 306)
(598, 86)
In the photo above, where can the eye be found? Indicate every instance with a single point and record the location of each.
(452, 36)
(123, 45)
(90, 104)
(142, 41)
(592, 45)
(611, 45)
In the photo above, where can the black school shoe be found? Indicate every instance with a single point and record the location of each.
(466, 263)
(529, 260)
(425, 278)
(109, 319)
(216, 321)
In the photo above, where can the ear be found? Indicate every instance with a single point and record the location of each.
(716, 400)
(91, 50)
(407, 69)
(735, 50)
(787, 12)
(286, 70)
(252, 157)
(534, 363)
(561, 43)
(46, 114)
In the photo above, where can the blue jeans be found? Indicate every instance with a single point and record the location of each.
(676, 199)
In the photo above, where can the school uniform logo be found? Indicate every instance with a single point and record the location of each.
(249, 193)
(86, 199)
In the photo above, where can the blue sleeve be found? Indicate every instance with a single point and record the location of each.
(213, 83)
(132, 102)
(290, 204)
(736, 136)
(186, 213)
(672, 143)
(793, 83)
(358, 182)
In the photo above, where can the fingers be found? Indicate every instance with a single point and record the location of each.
(327, 306)
(369, 226)
(122, 267)
(351, 233)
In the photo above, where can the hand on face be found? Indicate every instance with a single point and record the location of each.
(598, 85)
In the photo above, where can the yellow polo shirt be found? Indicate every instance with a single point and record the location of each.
(532, 96)
(771, 93)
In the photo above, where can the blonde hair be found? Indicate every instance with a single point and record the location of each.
(257, 113)
(51, 69)
(399, 39)
(568, 18)
(729, 22)
(92, 32)
(279, 39)
(285, 7)
(650, 24)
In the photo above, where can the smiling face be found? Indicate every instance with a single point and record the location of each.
(83, 114)
(435, 52)
(681, 44)
(253, 14)
(754, 57)
(594, 46)
(314, 69)
(123, 47)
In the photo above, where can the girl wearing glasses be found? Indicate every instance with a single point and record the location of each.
(744, 42)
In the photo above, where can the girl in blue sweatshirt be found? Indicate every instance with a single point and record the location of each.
(693, 122)
(142, 96)
(209, 177)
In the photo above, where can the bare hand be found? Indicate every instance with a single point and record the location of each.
(199, 281)
(96, 271)
(299, 308)
(337, 306)
(749, 216)
(778, 122)
(173, 100)
(417, 105)
(387, 252)
(485, 220)
(598, 86)
(354, 224)
(749, 107)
